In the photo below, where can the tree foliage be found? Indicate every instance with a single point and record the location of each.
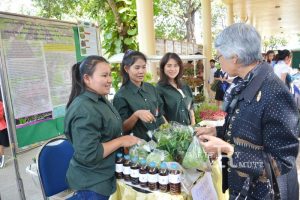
(273, 42)
(175, 19)
(117, 19)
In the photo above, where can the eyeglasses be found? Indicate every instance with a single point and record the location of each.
(218, 57)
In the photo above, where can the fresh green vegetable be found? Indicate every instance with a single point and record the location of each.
(175, 139)
(195, 157)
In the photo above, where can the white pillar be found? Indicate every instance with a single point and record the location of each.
(146, 34)
(207, 41)
(230, 19)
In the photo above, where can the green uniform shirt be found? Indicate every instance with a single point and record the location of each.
(90, 121)
(131, 98)
(176, 106)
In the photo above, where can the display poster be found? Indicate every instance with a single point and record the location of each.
(177, 47)
(184, 48)
(191, 49)
(169, 46)
(39, 57)
(204, 189)
(87, 39)
(160, 47)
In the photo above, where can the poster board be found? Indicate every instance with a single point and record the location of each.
(37, 55)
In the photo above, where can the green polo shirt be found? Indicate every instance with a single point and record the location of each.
(131, 98)
(176, 106)
(90, 121)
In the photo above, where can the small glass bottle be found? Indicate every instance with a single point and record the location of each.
(152, 176)
(126, 168)
(119, 166)
(143, 179)
(175, 180)
(134, 171)
(163, 177)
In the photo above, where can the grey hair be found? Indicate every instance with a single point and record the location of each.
(242, 40)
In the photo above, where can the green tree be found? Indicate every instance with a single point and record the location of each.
(273, 42)
(175, 19)
(117, 19)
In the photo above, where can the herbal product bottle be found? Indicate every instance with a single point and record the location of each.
(134, 171)
(143, 179)
(126, 169)
(163, 177)
(119, 166)
(175, 179)
(152, 176)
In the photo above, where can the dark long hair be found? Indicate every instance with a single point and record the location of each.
(267, 55)
(130, 57)
(163, 79)
(86, 66)
(282, 54)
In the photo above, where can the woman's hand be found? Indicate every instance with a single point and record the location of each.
(129, 140)
(145, 115)
(206, 131)
(214, 146)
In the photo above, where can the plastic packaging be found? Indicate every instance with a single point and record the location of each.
(195, 157)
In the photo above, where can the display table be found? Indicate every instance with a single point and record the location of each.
(127, 192)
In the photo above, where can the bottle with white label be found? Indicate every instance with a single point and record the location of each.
(152, 176)
(175, 179)
(126, 168)
(119, 166)
(134, 171)
(143, 179)
(163, 177)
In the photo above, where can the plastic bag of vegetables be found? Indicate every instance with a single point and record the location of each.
(140, 150)
(195, 157)
(175, 139)
(159, 156)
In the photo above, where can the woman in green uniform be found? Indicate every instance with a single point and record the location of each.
(137, 101)
(94, 127)
(176, 95)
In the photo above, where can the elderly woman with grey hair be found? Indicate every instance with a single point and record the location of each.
(259, 136)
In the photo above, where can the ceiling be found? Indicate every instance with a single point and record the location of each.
(270, 17)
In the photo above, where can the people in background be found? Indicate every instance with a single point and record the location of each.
(211, 78)
(138, 102)
(176, 95)
(262, 119)
(282, 67)
(222, 85)
(94, 127)
(4, 142)
(270, 57)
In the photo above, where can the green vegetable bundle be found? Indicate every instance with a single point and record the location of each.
(195, 157)
(175, 139)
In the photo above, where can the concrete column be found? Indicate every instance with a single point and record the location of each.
(146, 34)
(207, 41)
(230, 19)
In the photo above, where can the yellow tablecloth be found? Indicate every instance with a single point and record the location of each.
(126, 192)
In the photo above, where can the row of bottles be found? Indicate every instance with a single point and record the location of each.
(139, 173)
